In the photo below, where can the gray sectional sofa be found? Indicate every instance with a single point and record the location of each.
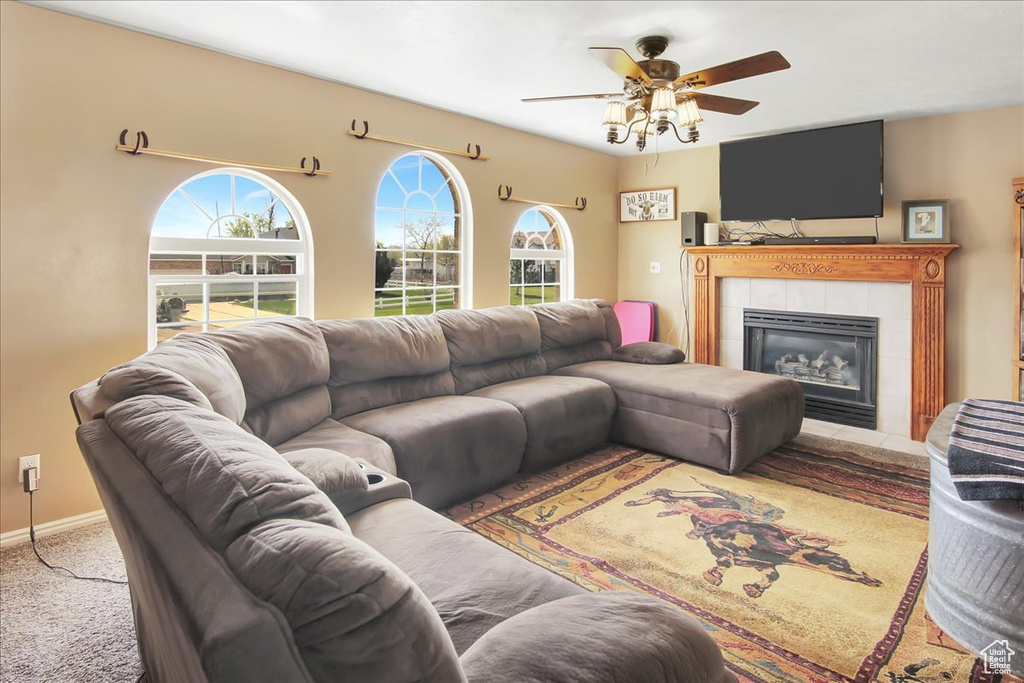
(270, 488)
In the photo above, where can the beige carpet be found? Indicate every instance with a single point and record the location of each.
(55, 628)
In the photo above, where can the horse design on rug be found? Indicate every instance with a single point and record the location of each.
(743, 531)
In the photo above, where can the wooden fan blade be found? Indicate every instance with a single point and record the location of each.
(619, 61)
(733, 71)
(597, 96)
(724, 105)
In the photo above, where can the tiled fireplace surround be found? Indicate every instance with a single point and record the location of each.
(902, 285)
(890, 302)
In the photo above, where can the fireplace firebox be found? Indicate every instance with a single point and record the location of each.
(834, 357)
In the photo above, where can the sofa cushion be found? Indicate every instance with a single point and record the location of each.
(565, 416)
(354, 616)
(141, 378)
(468, 378)
(194, 357)
(715, 416)
(358, 398)
(649, 353)
(278, 421)
(275, 358)
(449, 447)
(224, 480)
(333, 435)
(366, 349)
(475, 337)
(195, 620)
(284, 369)
(612, 328)
(378, 362)
(333, 473)
(473, 583)
(572, 332)
(614, 636)
(491, 346)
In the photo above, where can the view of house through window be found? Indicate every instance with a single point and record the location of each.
(421, 232)
(227, 247)
(540, 264)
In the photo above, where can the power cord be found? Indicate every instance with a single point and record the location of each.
(684, 286)
(32, 538)
(757, 230)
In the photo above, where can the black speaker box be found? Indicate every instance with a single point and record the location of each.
(693, 228)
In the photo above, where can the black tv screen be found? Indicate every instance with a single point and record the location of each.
(823, 173)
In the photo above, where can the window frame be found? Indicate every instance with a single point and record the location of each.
(566, 255)
(204, 247)
(463, 213)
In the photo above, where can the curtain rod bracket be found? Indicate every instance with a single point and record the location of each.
(314, 167)
(366, 130)
(579, 204)
(141, 142)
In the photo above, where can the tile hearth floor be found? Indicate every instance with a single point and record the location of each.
(868, 437)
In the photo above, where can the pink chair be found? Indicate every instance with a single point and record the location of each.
(637, 320)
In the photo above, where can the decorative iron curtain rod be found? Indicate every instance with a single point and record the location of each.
(365, 135)
(142, 147)
(581, 202)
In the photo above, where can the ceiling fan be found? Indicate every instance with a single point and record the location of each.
(654, 94)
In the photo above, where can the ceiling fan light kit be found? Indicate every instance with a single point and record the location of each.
(658, 99)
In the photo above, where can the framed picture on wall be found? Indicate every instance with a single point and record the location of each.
(647, 205)
(926, 221)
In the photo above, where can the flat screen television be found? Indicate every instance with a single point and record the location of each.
(831, 172)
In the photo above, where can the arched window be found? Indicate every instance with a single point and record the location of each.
(423, 229)
(540, 265)
(227, 247)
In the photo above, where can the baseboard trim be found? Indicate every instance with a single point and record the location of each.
(56, 526)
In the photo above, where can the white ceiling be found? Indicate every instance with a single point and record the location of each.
(851, 61)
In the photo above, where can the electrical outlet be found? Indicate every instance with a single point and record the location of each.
(26, 461)
(655, 267)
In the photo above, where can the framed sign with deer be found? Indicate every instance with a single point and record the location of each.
(647, 205)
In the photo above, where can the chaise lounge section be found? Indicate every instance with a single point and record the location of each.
(718, 417)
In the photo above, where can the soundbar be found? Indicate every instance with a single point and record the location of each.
(855, 239)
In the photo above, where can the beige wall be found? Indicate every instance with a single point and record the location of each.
(967, 158)
(75, 215)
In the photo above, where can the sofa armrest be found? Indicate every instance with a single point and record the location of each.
(382, 486)
(598, 637)
(649, 353)
(351, 484)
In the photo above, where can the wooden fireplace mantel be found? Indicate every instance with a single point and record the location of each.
(923, 266)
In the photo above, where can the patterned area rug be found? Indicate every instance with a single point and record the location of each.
(808, 566)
